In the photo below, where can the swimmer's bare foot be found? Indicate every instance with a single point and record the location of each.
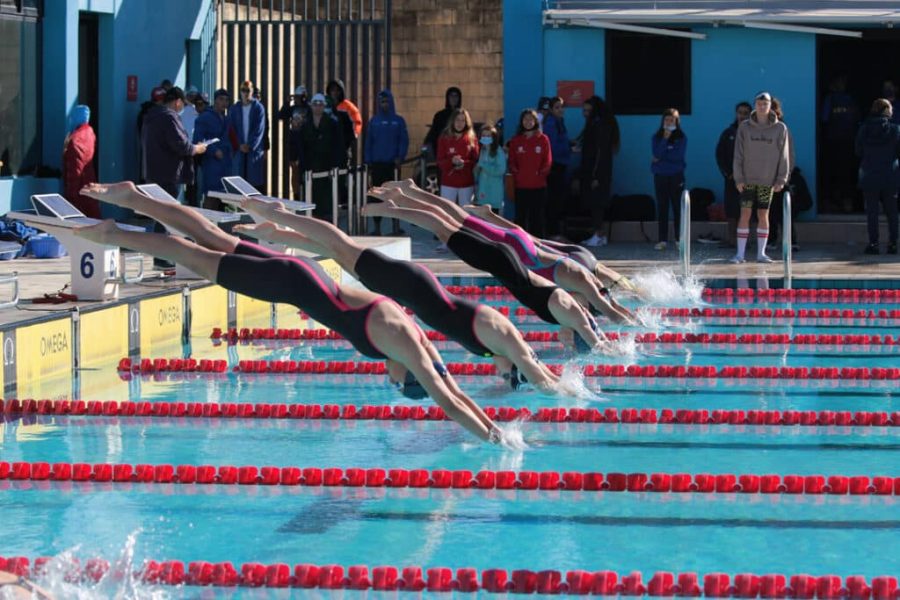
(261, 208)
(261, 231)
(478, 209)
(123, 194)
(100, 233)
(379, 209)
(404, 184)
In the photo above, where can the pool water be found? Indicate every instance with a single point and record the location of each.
(506, 529)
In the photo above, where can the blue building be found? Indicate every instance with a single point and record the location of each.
(702, 58)
(108, 54)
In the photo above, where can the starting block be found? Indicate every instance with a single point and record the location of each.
(238, 189)
(216, 216)
(97, 270)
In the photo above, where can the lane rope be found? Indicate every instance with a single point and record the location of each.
(384, 412)
(707, 483)
(444, 579)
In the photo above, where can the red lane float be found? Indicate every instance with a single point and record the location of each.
(159, 365)
(467, 579)
(368, 412)
(723, 483)
(246, 335)
(836, 316)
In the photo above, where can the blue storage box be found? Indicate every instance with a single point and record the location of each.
(45, 246)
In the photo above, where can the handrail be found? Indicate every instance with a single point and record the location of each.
(14, 280)
(132, 258)
(787, 239)
(686, 233)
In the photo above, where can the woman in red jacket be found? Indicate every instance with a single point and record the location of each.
(78, 161)
(529, 161)
(457, 157)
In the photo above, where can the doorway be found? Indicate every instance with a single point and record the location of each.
(863, 65)
(89, 69)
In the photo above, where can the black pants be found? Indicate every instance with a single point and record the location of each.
(668, 191)
(887, 197)
(381, 173)
(531, 210)
(557, 198)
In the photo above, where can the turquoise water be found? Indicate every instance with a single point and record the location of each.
(471, 528)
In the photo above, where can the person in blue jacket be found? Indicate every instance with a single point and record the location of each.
(387, 141)
(213, 124)
(561, 148)
(668, 145)
(878, 146)
(248, 119)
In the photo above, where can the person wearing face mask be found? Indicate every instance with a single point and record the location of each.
(168, 151)
(668, 147)
(248, 119)
(530, 159)
(490, 170)
(554, 127)
(387, 142)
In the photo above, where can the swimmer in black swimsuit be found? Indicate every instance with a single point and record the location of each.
(559, 268)
(377, 326)
(20, 587)
(478, 328)
(549, 302)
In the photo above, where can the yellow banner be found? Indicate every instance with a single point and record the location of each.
(253, 313)
(161, 324)
(209, 309)
(103, 336)
(43, 352)
(102, 382)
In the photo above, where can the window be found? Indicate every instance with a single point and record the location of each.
(20, 105)
(646, 74)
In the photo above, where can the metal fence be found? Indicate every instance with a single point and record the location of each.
(280, 44)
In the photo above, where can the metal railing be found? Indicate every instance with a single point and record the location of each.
(14, 280)
(686, 233)
(131, 259)
(787, 238)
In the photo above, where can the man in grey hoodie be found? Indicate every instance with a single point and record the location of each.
(761, 167)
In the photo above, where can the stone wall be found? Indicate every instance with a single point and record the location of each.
(440, 43)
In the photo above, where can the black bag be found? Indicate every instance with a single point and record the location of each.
(632, 207)
(701, 199)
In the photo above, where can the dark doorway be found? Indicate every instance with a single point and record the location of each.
(89, 68)
(864, 64)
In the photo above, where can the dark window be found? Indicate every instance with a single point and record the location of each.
(646, 74)
(19, 87)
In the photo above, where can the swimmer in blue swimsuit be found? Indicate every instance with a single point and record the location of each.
(374, 324)
(477, 327)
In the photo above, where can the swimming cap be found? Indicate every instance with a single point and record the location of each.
(515, 378)
(412, 389)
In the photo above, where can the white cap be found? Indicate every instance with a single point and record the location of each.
(299, 90)
(318, 99)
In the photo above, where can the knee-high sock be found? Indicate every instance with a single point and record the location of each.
(742, 235)
(762, 236)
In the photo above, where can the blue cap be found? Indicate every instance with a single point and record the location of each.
(515, 378)
(412, 389)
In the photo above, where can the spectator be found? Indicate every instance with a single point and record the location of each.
(878, 146)
(321, 149)
(668, 146)
(839, 118)
(188, 119)
(78, 161)
(457, 156)
(599, 142)
(294, 113)
(490, 170)
(248, 120)
(297, 102)
(543, 109)
(336, 91)
(725, 160)
(452, 101)
(166, 84)
(157, 98)
(167, 148)
(530, 159)
(387, 142)
(561, 147)
(201, 103)
(216, 162)
(889, 93)
(761, 167)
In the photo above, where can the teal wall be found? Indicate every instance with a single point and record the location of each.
(732, 64)
(137, 37)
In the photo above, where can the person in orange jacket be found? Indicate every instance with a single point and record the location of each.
(530, 161)
(336, 90)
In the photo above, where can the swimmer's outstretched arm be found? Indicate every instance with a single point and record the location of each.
(409, 195)
(270, 232)
(439, 226)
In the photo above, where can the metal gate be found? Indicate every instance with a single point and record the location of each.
(280, 44)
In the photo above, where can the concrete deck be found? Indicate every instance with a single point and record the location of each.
(814, 261)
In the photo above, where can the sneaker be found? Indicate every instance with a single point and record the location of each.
(892, 248)
(594, 241)
(736, 260)
(442, 248)
(660, 246)
(762, 258)
(872, 249)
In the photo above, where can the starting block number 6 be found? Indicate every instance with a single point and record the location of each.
(87, 265)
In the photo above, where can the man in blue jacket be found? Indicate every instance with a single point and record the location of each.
(248, 119)
(168, 151)
(387, 142)
(211, 124)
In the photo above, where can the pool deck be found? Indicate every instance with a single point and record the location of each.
(814, 261)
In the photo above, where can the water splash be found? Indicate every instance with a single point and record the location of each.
(514, 437)
(624, 347)
(662, 286)
(653, 320)
(572, 384)
(120, 582)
